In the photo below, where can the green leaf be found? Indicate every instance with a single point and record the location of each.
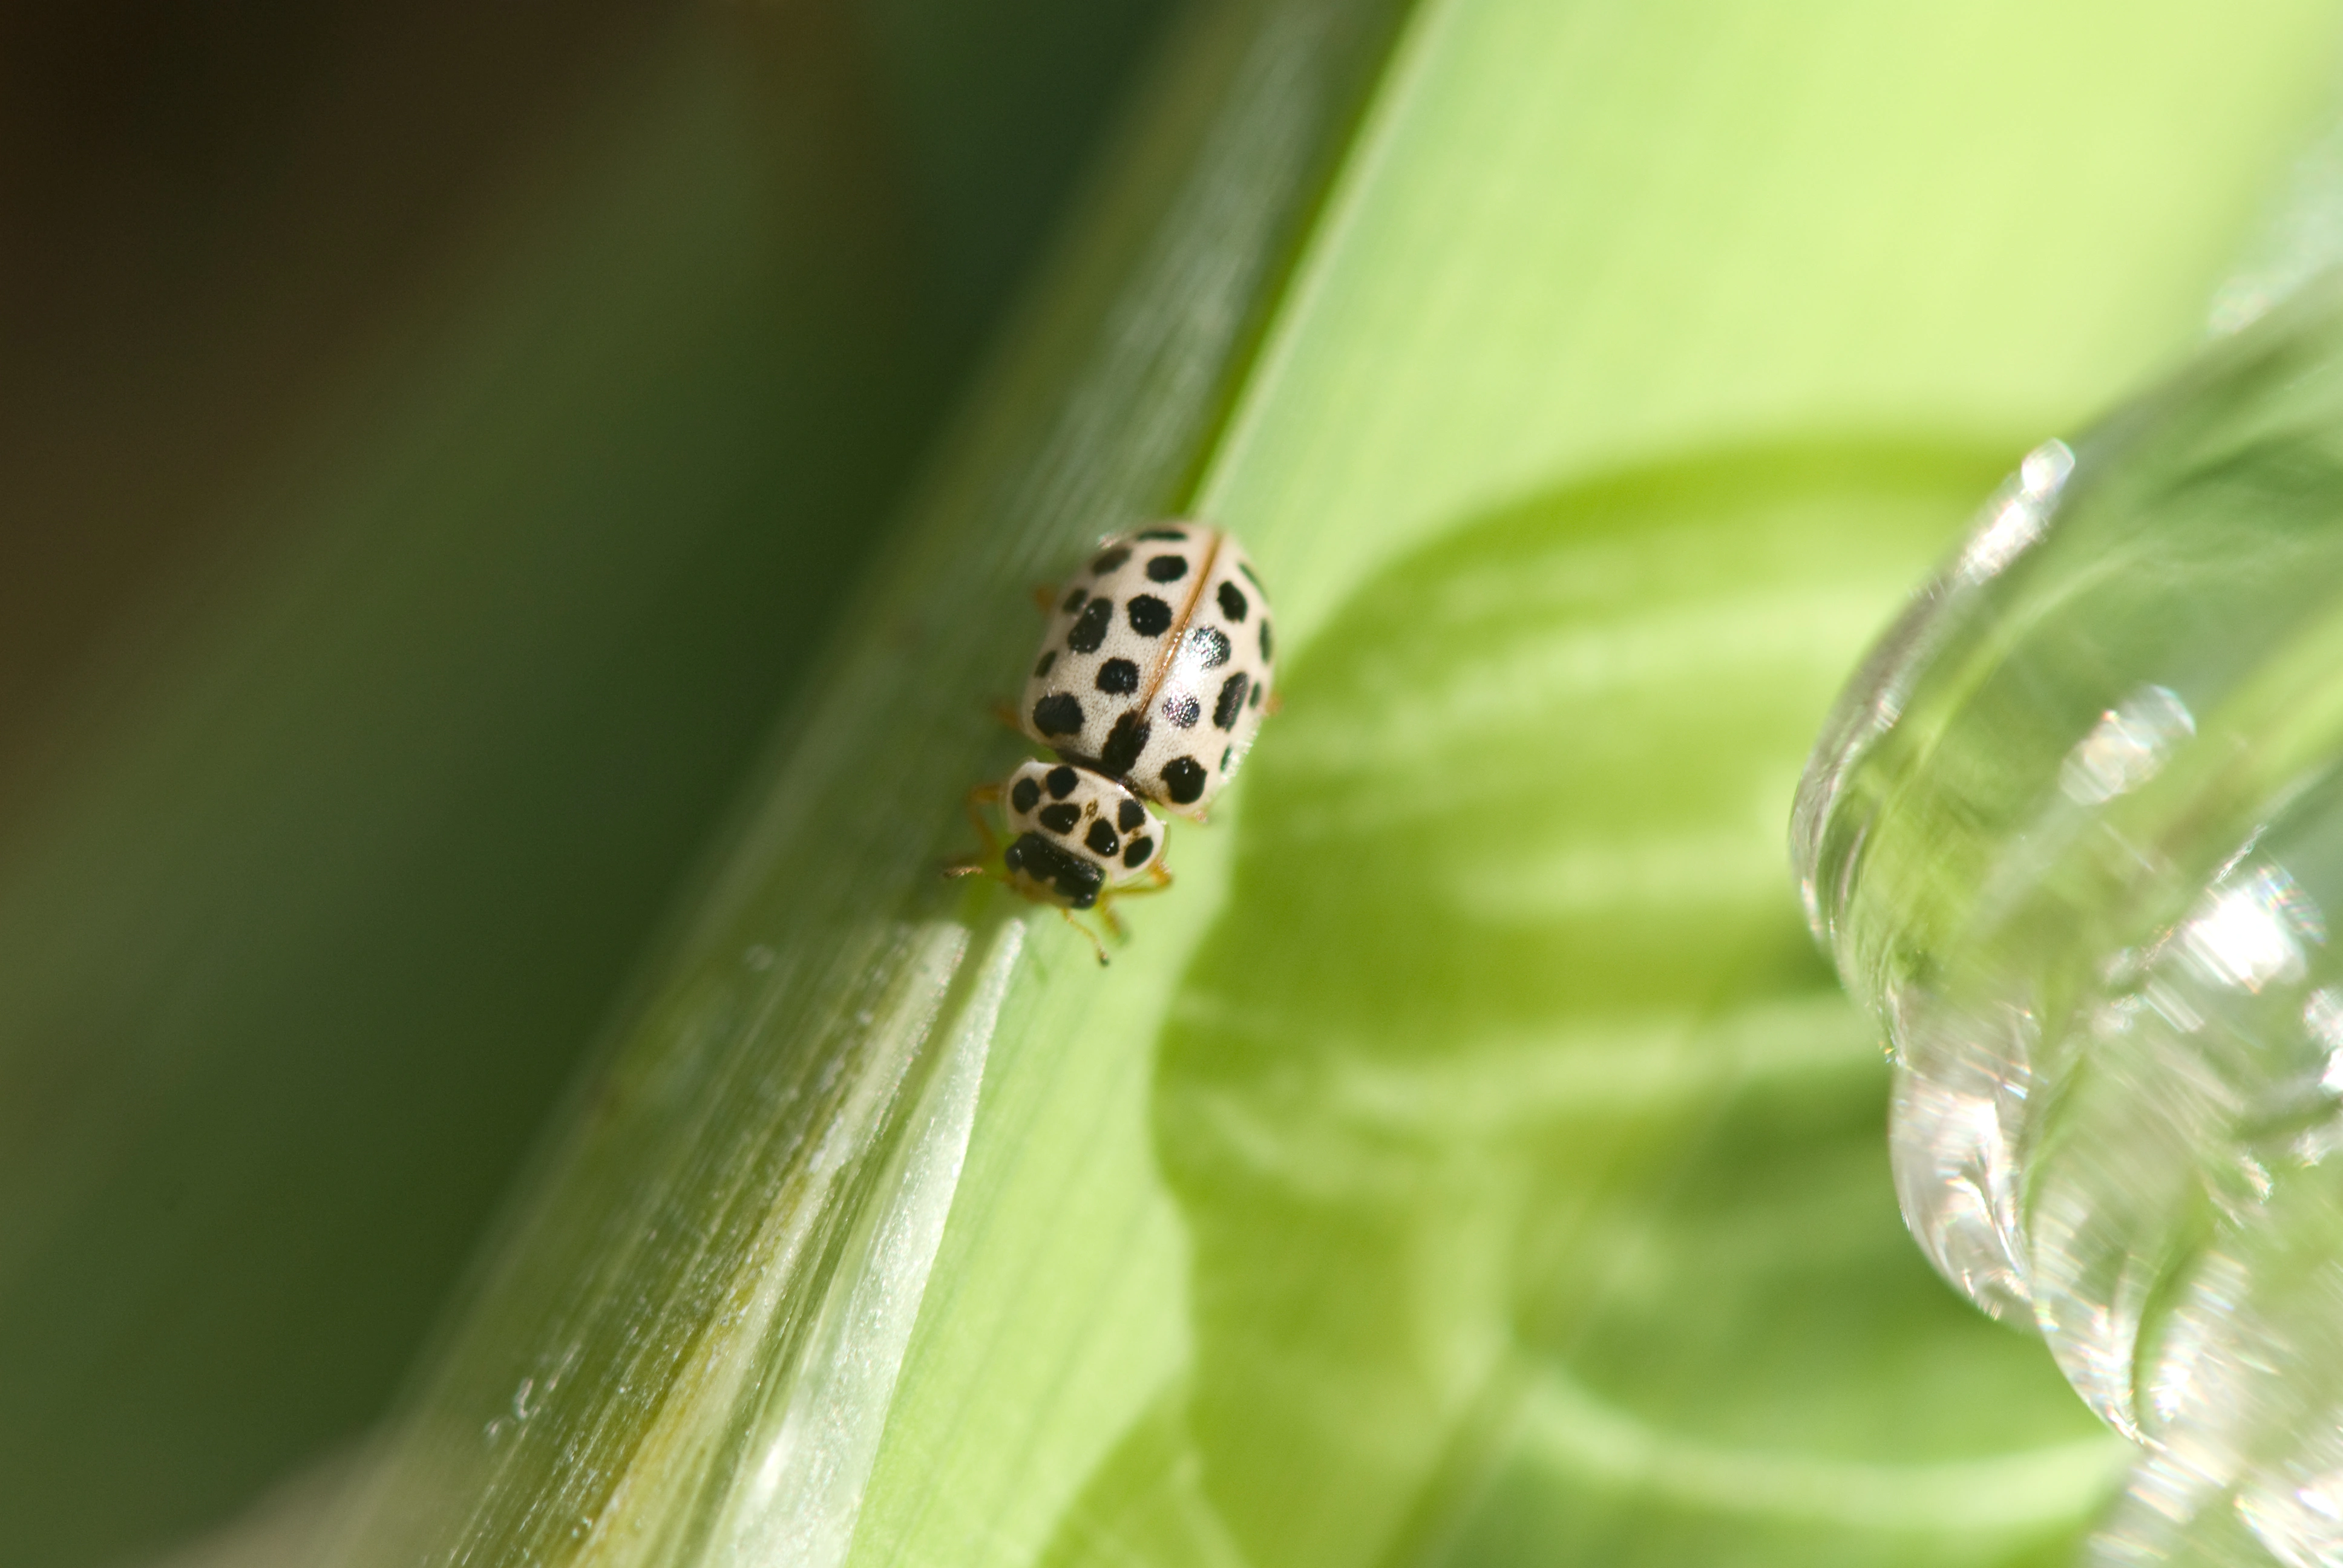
(1470, 1161)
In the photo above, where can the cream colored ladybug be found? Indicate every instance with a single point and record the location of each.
(1150, 686)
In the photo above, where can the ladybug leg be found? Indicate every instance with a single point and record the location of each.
(1088, 936)
(978, 802)
(1045, 598)
(982, 863)
(1158, 880)
(1274, 706)
(1007, 716)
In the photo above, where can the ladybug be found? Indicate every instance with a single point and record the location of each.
(1150, 686)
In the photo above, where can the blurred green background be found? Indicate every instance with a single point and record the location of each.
(436, 436)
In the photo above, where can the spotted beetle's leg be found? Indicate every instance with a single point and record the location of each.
(1159, 879)
(1089, 935)
(1008, 717)
(975, 802)
(984, 863)
(1045, 598)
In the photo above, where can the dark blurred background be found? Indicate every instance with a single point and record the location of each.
(437, 438)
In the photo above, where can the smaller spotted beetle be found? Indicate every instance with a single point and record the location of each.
(1150, 684)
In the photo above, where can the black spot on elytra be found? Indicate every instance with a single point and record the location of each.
(1088, 629)
(1254, 700)
(1209, 645)
(1150, 615)
(1118, 677)
(1232, 601)
(1123, 744)
(1061, 818)
(1062, 782)
(1248, 576)
(1231, 703)
(1183, 709)
(1184, 780)
(1267, 652)
(1226, 752)
(1135, 853)
(1178, 535)
(1073, 601)
(1025, 797)
(1060, 713)
(1167, 570)
(1103, 839)
(1130, 815)
(1049, 658)
(1072, 878)
(1110, 559)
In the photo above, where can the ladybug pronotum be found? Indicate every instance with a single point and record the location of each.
(1148, 686)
